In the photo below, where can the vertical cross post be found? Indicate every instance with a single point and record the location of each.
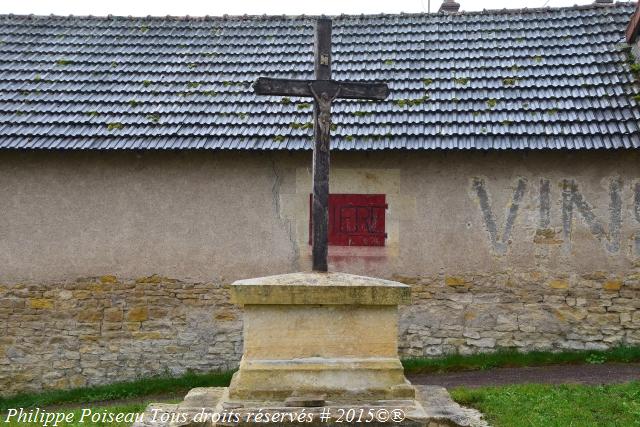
(321, 157)
(324, 91)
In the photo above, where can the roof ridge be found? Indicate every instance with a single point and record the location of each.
(339, 16)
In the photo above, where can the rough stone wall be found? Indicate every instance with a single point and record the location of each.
(102, 330)
(525, 310)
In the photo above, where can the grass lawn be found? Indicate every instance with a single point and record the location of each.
(518, 405)
(561, 406)
(514, 359)
(125, 390)
(507, 406)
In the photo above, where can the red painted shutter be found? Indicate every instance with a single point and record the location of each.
(355, 219)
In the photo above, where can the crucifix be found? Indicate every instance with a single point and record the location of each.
(324, 91)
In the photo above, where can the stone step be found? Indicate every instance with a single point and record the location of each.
(433, 408)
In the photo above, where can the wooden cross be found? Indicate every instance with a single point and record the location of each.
(323, 90)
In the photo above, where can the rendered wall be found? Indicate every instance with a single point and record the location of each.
(114, 264)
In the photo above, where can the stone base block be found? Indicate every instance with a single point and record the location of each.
(345, 378)
(211, 407)
(442, 410)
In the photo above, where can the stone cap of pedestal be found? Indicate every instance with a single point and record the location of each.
(319, 288)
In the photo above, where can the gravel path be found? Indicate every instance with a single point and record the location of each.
(610, 373)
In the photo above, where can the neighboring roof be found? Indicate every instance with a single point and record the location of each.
(512, 79)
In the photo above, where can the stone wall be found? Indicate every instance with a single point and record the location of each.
(525, 311)
(102, 330)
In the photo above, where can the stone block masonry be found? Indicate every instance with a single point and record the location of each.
(105, 329)
(102, 330)
(525, 311)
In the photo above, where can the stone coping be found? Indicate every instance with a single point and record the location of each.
(319, 288)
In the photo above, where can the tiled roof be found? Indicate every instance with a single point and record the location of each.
(511, 79)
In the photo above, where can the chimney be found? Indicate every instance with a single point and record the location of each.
(449, 6)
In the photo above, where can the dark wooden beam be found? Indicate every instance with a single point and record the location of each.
(348, 90)
(363, 90)
(321, 130)
(282, 87)
(322, 49)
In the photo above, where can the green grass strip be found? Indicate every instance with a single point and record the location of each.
(166, 384)
(541, 405)
(123, 390)
(511, 358)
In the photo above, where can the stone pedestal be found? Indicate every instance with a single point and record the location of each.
(320, 334)
(318, 344)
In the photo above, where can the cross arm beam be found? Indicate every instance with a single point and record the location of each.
(333, 88)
